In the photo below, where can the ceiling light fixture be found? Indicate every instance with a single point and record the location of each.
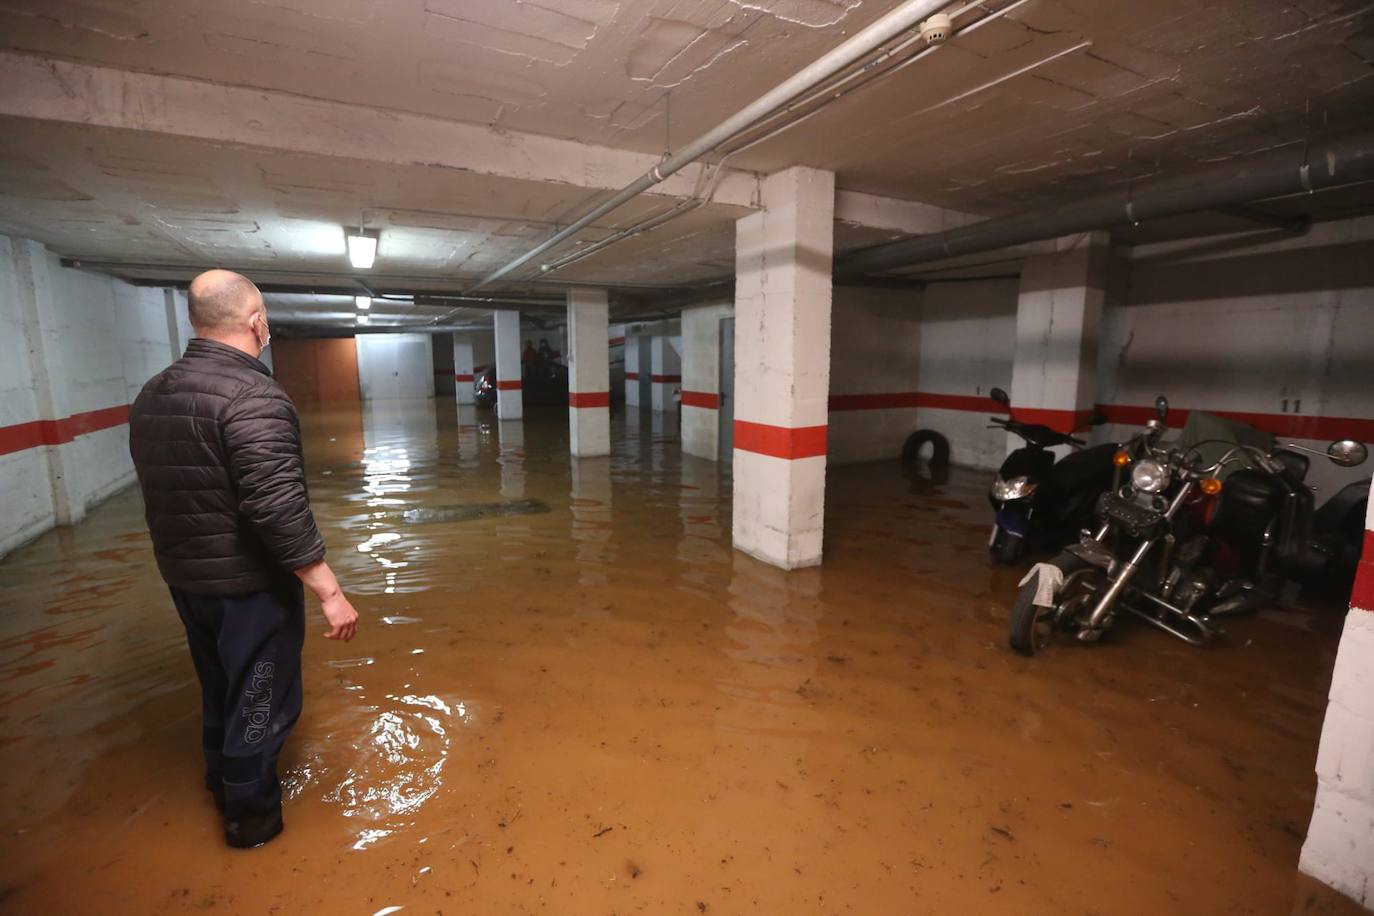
(363, 319)
(362, 248)
(363, 302)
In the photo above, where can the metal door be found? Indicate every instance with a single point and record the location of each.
(726, 413)
(646, 369)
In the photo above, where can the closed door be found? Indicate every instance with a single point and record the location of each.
(646, 372)
(392, 366)
(726, 413)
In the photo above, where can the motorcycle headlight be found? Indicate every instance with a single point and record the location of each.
(1015, 488)
(1149, 476)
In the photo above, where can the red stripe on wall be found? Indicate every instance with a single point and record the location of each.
(508, 385)
(1362, 596)
(23, 436)
(462, 377)
(707, 400)
(1292, 425)
(616, 342)
(589, 399)
(631, 376)
(665, 379)
(1296, 426)
(780, 441)
(901, 399)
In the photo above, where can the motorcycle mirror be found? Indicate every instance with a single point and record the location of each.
(1000, 396)
(1347, 453)
(1162, 408)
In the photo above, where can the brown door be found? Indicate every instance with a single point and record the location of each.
(317, 370)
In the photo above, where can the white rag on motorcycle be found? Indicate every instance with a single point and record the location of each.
(1051, 578)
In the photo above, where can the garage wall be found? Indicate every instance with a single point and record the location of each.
(875, 342)
(968, 344)
(1281, 333)
(903, 360)
(78, 348)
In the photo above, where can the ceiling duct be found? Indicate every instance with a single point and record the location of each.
(1276, 173)
(905, 17)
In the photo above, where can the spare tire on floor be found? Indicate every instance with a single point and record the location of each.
(938, 453)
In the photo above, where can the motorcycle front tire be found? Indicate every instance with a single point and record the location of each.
(1009, 548)
(1027, 617)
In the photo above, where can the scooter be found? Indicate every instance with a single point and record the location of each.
(1042, 504)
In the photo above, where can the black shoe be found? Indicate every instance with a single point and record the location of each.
(248, 830)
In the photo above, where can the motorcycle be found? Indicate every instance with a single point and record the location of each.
(1041, 503)
(1176, 547)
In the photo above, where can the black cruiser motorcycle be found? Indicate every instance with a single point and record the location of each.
(1178, 548)
(1040, 503)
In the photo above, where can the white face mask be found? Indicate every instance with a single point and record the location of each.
(264, 342)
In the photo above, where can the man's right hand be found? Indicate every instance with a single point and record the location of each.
(338, 612)
(342, 619)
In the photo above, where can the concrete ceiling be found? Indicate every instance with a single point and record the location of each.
(1058, 97)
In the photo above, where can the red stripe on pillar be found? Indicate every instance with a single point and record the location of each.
(508, 385)
(707, 400)
(616, 342)
(1362, 596)
(589, 399)
(35, 433)
(462, 377)
(631, 376)
(665, 379)
(780, 441)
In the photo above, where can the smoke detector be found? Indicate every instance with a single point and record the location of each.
(936, 29)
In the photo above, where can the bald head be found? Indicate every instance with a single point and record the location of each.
(222, 301)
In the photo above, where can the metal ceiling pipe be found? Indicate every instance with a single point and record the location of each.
(864, 42)
(1276, 173)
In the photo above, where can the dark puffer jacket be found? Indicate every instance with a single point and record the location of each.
(216, 442)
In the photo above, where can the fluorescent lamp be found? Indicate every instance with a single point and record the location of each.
(363, 302)
(362, 249)
(363, 319)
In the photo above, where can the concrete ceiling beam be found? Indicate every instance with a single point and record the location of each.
(61, 91)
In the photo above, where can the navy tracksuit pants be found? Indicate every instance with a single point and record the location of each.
(247, 654)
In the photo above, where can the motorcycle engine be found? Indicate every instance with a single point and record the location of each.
(1195, 585)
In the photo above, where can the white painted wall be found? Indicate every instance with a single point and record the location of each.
(875, 339)
(87, 342)
(1282, 328)
(26, 498)
(968, 345)
(395, 366)
(949, 339)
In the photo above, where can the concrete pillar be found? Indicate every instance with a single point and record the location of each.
(701, 380)
(51, 377)
(632, 371)
(589, 374)
(510, 403)
(1058, 314)
(667, 372)
(783, 257)
(1339, 849)
(462, 369)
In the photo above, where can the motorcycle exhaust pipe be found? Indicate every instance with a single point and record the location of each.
(1198, 641)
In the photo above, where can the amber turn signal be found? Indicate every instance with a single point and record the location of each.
(1121, 459)
(1210, 485)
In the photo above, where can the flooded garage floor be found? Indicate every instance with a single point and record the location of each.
(597, 707)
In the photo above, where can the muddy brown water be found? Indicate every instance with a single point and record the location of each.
(604, 709)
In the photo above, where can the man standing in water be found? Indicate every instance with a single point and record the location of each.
(216, 442)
